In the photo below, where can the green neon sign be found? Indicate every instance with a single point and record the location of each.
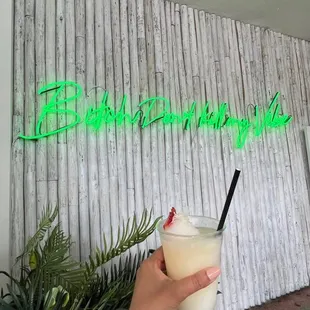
(104, 114)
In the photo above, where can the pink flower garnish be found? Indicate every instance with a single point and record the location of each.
(170, 218)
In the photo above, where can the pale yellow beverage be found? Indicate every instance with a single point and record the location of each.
(188, 254)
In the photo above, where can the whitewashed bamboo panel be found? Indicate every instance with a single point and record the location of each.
(145, 48)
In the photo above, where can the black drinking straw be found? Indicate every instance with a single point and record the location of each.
(228, 199)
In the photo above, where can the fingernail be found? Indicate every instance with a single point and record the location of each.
(213, 273)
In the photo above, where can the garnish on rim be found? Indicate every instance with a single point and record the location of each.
(170, 218)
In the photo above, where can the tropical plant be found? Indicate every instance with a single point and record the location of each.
(51, 279)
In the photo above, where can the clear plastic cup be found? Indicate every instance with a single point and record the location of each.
(186, 255)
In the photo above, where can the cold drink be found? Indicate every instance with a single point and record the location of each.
(191, 244)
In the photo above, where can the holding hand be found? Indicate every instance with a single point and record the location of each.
(155, 291)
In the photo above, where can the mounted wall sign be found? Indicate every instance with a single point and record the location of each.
(104, 114)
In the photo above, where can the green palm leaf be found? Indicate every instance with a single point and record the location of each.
(48, 217)
(115, 288)
(57, 267)
(132, 233)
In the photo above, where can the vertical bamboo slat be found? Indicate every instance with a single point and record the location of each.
(152, 48)
(62, 119)
(187, 77)
(173, 188)
(50, 73)
(160, 139)
(102, 160)
(146, 158)
(133, 86)
(129, 185)
(18, 150)
(168, 161)
(82, 143)
(30, 117)
(41, 154)
(111, 131)
(93, 178)
(118, 175)
(195, 142)
(151, 71)
(119, 91)
(181, 96)
(73, 185)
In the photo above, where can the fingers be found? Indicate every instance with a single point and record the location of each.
(158, 254)
(158, 258)
(196, 282)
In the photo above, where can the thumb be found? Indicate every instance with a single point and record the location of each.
(190, 285)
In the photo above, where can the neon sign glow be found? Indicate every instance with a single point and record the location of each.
(104, 114)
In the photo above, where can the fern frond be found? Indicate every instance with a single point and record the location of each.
(58, 268)
(48, 217)
(119, 280)
(105, 298)
(127, 269)
(77, 305)
(132, 234)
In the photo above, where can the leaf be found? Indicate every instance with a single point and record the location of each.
(15, 298)
(132, 234)
(57, 267)
(48, 217)
(52, 266)
(119, 280)
(18, 295)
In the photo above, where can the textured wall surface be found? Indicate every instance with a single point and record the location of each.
(147, 48)
(6, 50)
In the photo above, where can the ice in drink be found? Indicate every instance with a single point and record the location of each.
(191, 243)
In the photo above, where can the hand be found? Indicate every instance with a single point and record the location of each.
(155, 291)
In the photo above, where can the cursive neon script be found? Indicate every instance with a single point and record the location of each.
(104, 114)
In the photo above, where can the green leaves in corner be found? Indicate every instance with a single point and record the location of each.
(52, 279)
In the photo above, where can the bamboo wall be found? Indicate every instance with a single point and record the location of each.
(145, 48)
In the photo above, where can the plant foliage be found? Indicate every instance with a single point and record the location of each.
(51, 279)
